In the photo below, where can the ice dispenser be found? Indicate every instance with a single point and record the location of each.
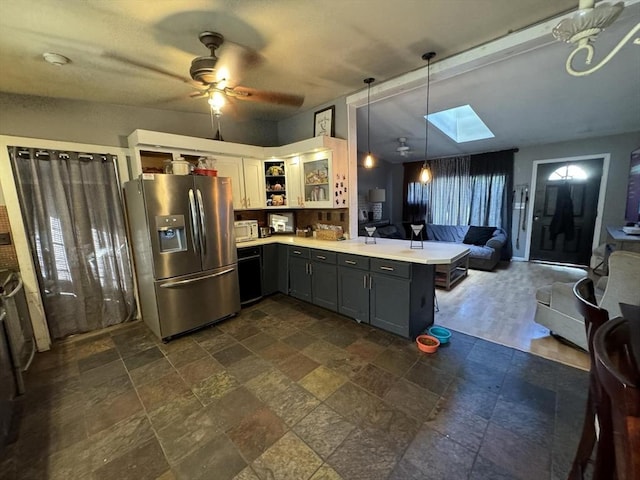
(171, 233)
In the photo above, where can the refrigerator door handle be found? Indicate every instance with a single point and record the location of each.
(192, 280)
(195, 236)
(203, 226)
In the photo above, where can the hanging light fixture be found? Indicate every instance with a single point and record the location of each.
(216, 102)
(368, 161)
(583, 27)
(425, 172)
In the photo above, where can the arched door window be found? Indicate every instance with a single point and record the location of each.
(568, 172)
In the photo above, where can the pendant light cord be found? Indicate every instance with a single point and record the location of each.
(427, 56)
(369, 81)
(369, 118)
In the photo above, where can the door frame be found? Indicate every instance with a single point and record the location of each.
(601, 194)
(19, 234)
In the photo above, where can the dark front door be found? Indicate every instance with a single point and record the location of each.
(564, 211)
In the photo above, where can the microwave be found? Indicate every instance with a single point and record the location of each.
(246, 230)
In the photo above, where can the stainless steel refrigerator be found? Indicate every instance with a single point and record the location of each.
(184, 250)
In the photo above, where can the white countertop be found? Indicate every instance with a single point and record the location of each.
(387, 248)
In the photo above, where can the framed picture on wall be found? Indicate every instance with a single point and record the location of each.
(324, 123)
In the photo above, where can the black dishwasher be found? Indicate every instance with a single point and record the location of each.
(250, 275)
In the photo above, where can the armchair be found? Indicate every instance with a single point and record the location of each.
(556, 306)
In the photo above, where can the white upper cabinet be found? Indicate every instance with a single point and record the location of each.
(253, 183)
(315, 170)
(232, 168)
(294, 182)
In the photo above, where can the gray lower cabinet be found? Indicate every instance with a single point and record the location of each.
(353, 286)
(394, 296)
(313, 276)
(283, 269)
(299, 277)
(323, 285)
(389, 303)
(275, 271)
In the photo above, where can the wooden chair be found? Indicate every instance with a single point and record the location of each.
(598, 406)
(618, 368)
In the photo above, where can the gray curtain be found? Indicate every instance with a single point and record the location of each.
(74, 218)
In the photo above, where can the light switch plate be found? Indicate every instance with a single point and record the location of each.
(5, 238)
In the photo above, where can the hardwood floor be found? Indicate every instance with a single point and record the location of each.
(499, 306)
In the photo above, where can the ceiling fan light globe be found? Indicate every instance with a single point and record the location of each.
(216, 100)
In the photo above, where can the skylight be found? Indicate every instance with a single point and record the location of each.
(461, 124)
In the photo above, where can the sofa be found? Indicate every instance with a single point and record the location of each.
(556, 306)
(485, 243)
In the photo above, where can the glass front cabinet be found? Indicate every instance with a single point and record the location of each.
(320, 188)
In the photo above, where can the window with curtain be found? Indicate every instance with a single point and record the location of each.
(464, 190)
(74, 217)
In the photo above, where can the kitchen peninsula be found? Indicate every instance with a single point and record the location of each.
(387, 284)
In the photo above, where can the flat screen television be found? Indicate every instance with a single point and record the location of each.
(632, 213)
(282, 222)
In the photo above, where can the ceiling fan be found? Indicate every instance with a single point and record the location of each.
(403, 149)
(212, 82)
(203, 70)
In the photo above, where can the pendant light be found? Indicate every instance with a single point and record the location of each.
(368, 161)
(425, 172)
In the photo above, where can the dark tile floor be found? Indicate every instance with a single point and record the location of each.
(289, 391)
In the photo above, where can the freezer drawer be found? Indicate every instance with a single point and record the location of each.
(190, 302)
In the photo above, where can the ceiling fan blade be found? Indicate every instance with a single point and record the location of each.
(253, 95)
(151, 68)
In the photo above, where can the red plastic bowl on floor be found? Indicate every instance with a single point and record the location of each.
(427, 343)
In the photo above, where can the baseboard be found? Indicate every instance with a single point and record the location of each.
(518, 259)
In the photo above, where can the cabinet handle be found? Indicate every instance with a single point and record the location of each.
(350, 262)
(249, 201)
(306, 268)
(389, 269)
(297, 252)
(321, 257)
(364, 281)
(310, 269)
(370, 281)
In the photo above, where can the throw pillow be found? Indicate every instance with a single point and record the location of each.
(478, 235)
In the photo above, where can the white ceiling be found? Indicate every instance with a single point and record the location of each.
(323, 50)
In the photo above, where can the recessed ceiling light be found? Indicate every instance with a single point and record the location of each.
(461, 124)
(55, 59)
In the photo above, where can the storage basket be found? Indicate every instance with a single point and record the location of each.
(326, 234)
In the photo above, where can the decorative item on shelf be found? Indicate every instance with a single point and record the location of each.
(368, 161)
(427, 343)
(425, 171)
(582, 28)
(416, 235)
(276, 170)
(318, 194)
(370, 239)
(377, 197)
(441, 333)
(277, 200)
(324, 122)
(304, 232)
